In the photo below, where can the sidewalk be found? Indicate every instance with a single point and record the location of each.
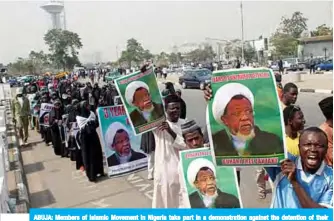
(54, 182)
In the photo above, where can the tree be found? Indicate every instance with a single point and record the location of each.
(285, 39)
(322, 30)
(162, 59)
(39, 61)
(201, 54)
(284, 44)
(295, 25)
(63, 46)
(249, 52)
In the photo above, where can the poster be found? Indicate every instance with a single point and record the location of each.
(44, 114)
(121, 146)
(65, 128)
(142, 100)
(218, 185)
(245, 123)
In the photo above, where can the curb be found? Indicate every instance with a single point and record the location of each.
(322, 91)
(16, 162)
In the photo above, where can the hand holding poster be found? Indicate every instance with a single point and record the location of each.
(245, 120)
(121, 146)
(142, 100)
(208, 186)
(44, 114)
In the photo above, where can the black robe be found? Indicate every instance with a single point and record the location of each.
(57, 133)
(91, 150)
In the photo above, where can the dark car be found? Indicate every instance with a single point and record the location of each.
(12, 82)
(195, 78)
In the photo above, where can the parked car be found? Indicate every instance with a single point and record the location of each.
(12, 82)
(111, 76)
(195, 78)
(293, 64)
(325, 66)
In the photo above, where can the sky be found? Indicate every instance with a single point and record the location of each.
(105, 26)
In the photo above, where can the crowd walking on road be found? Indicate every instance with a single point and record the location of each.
(303, 180)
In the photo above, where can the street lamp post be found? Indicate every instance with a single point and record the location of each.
(242, 33)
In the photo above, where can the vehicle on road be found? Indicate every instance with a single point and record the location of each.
(111, 76)
(325, 65)
(293, 64)
(195, 78)
(13, 82)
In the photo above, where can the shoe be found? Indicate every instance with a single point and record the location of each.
(26, 143)
(20, 142)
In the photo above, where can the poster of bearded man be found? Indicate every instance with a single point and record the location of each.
(204, 185)
(244, 118)
(142, 100)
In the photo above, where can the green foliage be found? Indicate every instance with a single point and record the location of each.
(249, 52)
(285, 39)
(201, 54)
(322, 30)
(63, 46)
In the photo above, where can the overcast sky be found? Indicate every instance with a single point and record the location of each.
(103, 25)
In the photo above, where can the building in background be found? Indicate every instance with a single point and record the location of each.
(319, 47)
(57, 13)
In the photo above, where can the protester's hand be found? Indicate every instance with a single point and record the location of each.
(289, 169)
(207, 92)
(164, 126)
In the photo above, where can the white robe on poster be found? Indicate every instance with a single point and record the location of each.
(166, 173)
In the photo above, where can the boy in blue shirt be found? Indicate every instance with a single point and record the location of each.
(304, 181)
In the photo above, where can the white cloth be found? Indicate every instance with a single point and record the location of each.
(83, 121)
(150, 165)
(183, 194)
(166, 174)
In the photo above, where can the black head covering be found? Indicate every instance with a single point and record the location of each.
(84, 111)
(326, 106)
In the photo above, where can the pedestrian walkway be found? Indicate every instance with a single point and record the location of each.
(54, 182)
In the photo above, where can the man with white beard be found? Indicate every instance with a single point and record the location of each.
(233, 107)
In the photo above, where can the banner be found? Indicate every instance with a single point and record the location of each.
(201, 178)
(142, 100)
(44, 114)
(179, 214)
(121, 146)
(245, 123)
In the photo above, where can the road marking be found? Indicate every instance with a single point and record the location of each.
(100, 204)
(141, 185)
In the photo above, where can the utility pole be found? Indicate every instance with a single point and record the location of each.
(117, 55)
(242, 33)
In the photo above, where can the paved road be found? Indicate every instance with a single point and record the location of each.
(54, 182)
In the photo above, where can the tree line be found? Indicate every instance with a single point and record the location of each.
(63, 54)
(63, 46)
(285, 38)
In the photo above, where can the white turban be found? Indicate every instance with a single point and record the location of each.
(131, 89)
(194, 168)
(111, 132)
(224, 95)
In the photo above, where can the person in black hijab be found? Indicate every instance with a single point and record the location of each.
(91, 149)
(96, 94)
(57, 130)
